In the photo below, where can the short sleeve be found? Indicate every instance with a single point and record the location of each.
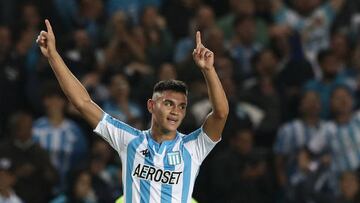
(199, 144)
(282, 143)
(117, 133)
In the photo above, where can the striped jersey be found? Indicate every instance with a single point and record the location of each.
(343, 142)
(295, 135)
(65, 144)
(154, 172)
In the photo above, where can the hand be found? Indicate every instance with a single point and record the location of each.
(203, 57)
(46, 40)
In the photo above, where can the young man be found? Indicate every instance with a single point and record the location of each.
(160, 164)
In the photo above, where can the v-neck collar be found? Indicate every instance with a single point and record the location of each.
(159, 148)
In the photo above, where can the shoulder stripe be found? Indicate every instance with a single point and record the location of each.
(121, 125)
(192, 136)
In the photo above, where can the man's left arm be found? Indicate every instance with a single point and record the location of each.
(215, 121)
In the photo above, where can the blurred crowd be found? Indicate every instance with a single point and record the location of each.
(290, 69)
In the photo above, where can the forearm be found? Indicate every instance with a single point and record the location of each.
(216, 94)
(71, 86)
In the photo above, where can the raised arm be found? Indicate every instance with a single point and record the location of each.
(215, 121)
(73, 89)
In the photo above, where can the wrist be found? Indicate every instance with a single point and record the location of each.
(53, 53)
(208, 68)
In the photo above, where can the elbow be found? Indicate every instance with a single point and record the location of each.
(222, 114)
(80, 104)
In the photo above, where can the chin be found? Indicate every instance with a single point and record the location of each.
(170, 128)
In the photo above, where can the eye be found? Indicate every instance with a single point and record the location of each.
(182, 107)
(167, 103)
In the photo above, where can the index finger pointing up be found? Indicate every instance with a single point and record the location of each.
(198, 39)
(48, 26)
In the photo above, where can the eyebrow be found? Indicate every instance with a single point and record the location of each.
(183, 103)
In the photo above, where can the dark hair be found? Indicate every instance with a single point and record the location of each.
(323, 54)
(242, 18)
(12, 125)
(174, 85)
(343, 86)
(52, 88)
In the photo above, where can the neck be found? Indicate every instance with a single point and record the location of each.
(5, 192)
(311, 120)
(56, 119)
(343, 118)
(160, 135)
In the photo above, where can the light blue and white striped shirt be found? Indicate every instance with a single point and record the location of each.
(343, 142)
(65, 144)
(295, 135)
(154, 172)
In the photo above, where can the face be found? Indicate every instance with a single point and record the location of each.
(23, 127)
(54, 104)
(246, 31)
(341, 101)
(267, 63)
(31, 15)
(150, 16)
(243, 142)
(167, 72)
(168, 109)
(339, 45)
(310, 104)
(205, 17)
(349, 185)
(243, 7)
(7, 180)
(119, 86)
(81, 39)
(330, 66)
(5, 39)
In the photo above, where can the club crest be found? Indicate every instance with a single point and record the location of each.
(174, 158)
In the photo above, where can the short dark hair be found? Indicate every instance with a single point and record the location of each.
(323, 54)
(242, 18)
(50, 89)
(174, 85)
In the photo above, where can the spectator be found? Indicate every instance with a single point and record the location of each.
(59, 136)
(311, 19)
(296, 135)
(7, 181)
(80, 189)
(244, 46)
(349, 188)
(243, 8)
(261, 92)
(159, 43)
(33, 167)
(204, 20)
(343, 133)
(119, 104)
(242, 175)
(330, 79)
(12, 78)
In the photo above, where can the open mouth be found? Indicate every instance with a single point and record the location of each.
(172, 120)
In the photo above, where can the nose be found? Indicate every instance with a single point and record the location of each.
(174, 111)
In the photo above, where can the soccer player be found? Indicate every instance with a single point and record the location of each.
(159, 164)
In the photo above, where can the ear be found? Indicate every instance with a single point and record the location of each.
(150, 105)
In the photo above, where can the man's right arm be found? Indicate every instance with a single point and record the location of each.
(71, 86)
